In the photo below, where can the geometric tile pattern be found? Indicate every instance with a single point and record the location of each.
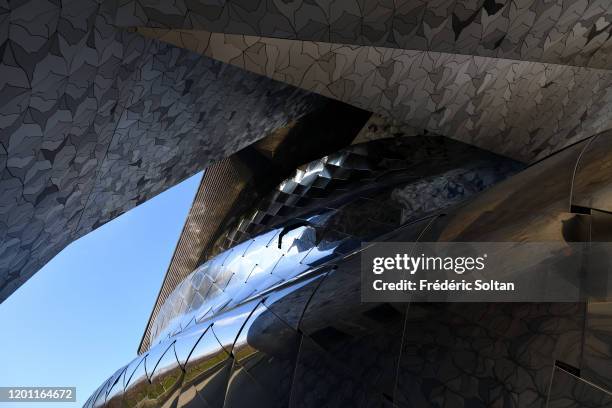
(381, 127)
(436, 172)
(95, 120)
(558, 31)
(521, 109)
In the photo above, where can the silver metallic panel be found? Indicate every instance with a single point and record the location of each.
(289, 302)
(266, 350)
(137, 386)
(592, 187)
(324, 211)
(206, 372)
(243, 390)
(166, 380)
(227, 326)
(114, 395)
(186, 341)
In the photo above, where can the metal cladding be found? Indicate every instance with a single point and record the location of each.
(277, 319)
(106, 103)
(325, 210)
(95, 120)
(98, 115)
(522, 109)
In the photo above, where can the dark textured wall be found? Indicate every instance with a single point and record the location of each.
(522, 109)
(95, 120)
(565, 32)
(521, 78)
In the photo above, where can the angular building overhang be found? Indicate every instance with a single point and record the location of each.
(99, 115)
(230, 186)
(280, 302)
(233, 187)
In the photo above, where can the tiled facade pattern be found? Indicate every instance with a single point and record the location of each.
(95, 120)
(525, 110)
(564, 32)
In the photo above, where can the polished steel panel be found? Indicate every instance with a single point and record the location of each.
(186, 342)
(277, 319)
(244, 391)
(266, 351)
(592, 187)
(321, 381)
(500, 351)
(209, 391)
(348, 344)
(131, 369)
(114, 395)
(95, 397)
(361, 338)
(155, 355)
(206, 373)
(100, 399)
(136, 391)
(243, 271)
(290, 301)
(227, 326)
(166, 380)
(534, 205)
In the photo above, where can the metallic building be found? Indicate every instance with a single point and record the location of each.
(321, 124)
(272, 314)
(106, 103)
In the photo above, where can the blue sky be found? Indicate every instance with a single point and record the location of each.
(82, 316)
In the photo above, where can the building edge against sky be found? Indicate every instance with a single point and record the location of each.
(319, 126)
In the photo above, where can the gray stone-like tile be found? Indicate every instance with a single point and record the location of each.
(95, 120)
(569, 391)
(558, 31)
(525, 110)
(485, 355)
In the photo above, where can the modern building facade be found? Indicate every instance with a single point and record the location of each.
(271, 314)
(321, 125)
(98, 115)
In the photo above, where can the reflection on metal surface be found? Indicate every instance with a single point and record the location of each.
(277, 318)
(591, 186)
(324, 211)
(387, 182)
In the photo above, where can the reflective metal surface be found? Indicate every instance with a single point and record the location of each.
(591, 187)
(324, 211)
(277, 320)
